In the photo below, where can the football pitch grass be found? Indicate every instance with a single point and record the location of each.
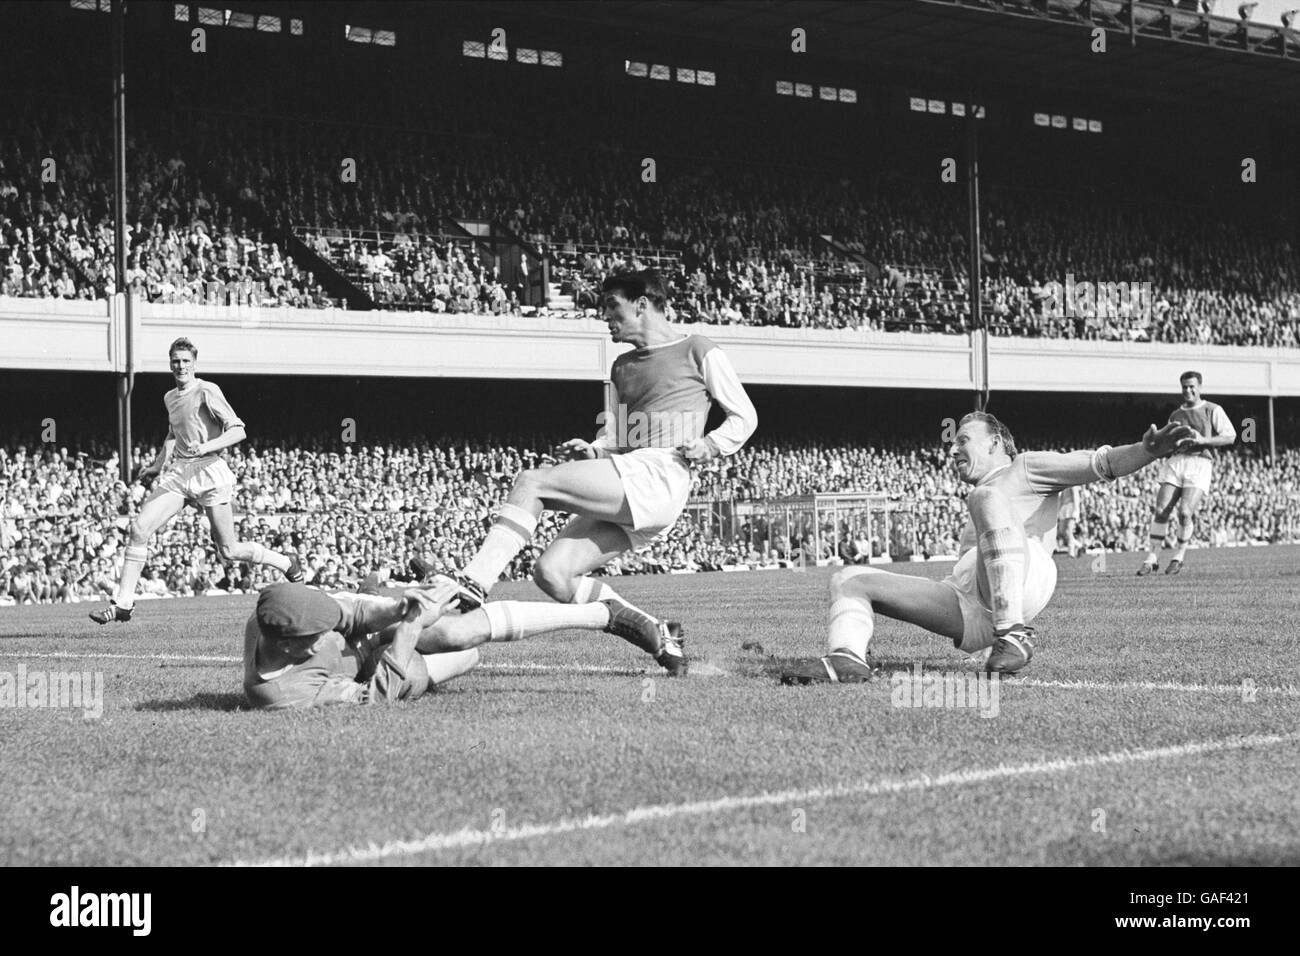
(1157, 724)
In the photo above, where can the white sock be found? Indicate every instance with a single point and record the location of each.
(1184, 539)
(852, 624)
(1003, 552)
(512, 530)
(1159, 529)
(132, 564)
(514, 620)
(443, 667)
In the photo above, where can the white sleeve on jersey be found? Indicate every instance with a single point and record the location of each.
(1220, 423)
(724, 386)
(1055, 471)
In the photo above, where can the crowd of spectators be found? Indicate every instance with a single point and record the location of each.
(352, 511)
(744, 241)
(417, 272)
(185, 242)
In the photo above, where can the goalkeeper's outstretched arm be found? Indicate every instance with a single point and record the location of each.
(1057, 470)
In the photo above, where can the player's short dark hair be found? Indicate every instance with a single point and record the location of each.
(631, 285)
(1186, 375)
(995, 427)
(183, 345)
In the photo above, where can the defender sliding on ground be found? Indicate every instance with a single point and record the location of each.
(1004, 574)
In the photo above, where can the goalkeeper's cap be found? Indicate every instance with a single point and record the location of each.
(295, 610)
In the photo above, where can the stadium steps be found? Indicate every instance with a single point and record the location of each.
(556, 300)
(335, 282)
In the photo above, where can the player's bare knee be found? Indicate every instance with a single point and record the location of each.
(228, 552)
(554, 580)
(530, 483)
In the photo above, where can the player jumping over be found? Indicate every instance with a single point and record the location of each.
(1004, 574)
(629, 485)
(1186, 476)
(202, 424)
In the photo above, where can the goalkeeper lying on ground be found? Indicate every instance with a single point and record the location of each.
(1004, 574)
(306, 648)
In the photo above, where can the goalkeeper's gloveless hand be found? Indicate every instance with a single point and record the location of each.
(1165, 441)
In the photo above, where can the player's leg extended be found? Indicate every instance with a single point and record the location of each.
(591, 488)
(230, 548)
(1001, 574)
(1188, 502)
(1165, 499)
(562, 571)
(159, 508)
(857, 594)
(586, 604)
(443, 667)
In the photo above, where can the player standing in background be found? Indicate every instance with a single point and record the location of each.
(1004, 574)
(1186, 476)
(629, 485)
(1067, 519)
(202, 424)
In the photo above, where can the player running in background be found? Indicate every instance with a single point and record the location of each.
(1004, 574)
(631, 483)
(1186, 476)
(305, 648)
(202, 424)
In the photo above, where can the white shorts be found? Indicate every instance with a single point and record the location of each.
(657, 483)
(1187, 471)
(205, 481)
(977, 617)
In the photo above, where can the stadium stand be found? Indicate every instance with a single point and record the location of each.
(740, 239)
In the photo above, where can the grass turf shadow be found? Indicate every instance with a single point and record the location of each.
(200, 701)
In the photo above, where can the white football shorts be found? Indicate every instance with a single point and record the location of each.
(977, 617)
(206, 481)
(657, 483)
(1187, 471)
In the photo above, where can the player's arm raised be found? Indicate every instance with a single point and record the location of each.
(1057, 470)
(742, 418)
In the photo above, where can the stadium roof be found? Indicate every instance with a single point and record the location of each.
(991, 41)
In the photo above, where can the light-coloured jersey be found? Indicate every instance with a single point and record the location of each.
(285, 673)
(197, 415)
(1034, 481)
(661, 396)
(1207, 418)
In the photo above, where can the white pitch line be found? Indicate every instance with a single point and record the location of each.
(538, 668)
(1283, 691)
(91, 655)
(468, 837)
